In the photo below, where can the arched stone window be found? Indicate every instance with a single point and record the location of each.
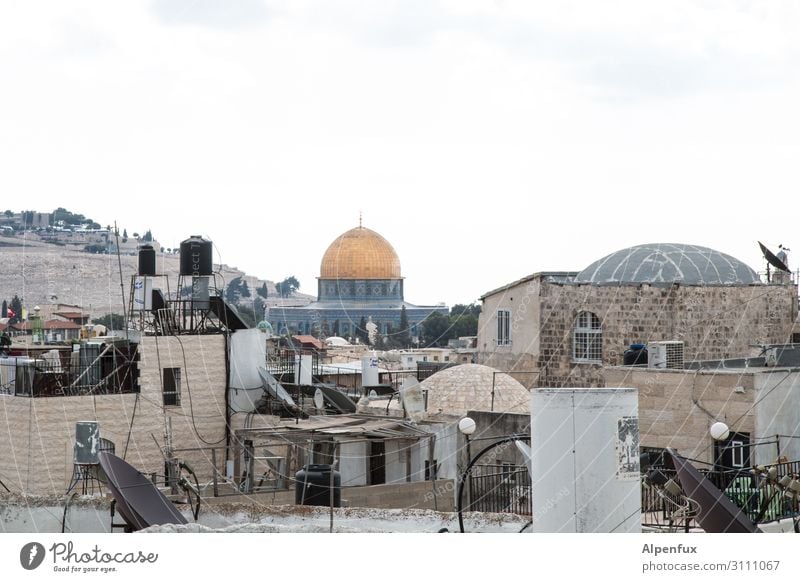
(587, 338)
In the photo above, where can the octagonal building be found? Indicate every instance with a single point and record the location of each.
(359, 280)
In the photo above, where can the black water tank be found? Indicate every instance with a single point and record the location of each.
(196, 257)
(313, 486)
(636, 355)
(147, 260)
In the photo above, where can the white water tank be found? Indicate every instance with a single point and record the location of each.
(585, 460)
(369, 371)
(302, 369)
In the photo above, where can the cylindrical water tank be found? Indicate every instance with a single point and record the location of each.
(196, 258)
(147, 260)
(369, 371)
(585, 460)
(636, 355)
(313, 486)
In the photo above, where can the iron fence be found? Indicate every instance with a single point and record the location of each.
(759, 501)
(499, 489)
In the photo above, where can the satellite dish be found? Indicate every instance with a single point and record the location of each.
(274, 388)
(773, 260)
(412, 399)
(716, 513)
(319, 399)
(337, 399)
(139, 502)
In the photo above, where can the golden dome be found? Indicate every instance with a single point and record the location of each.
(360, 253)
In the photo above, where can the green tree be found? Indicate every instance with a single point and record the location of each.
(148, 236)
(288, 286)
(111, 321)
(403, 335)
(436, 330)
(16, 307)
(361, 331)
(4, 309)
(262, 291)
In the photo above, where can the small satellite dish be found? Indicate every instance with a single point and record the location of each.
(319, 399)
(773, 260)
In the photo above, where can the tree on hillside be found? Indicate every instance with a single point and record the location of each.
(148, 236)
(4, 309)
(16, 308)
(262, 291)
(288, 286)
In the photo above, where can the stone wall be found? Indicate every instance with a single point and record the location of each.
(677, 407)
(713, 322)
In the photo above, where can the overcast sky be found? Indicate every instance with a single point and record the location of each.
(485, 140)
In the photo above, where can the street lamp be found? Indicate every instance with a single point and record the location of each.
(467, 427)
(719, 431)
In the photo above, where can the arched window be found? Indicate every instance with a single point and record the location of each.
(587, 338)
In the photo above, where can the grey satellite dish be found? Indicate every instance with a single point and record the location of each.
(716, 513)
(773, 260)
(411, 397)
(319, 399)
(274, 388)
(337, 399)
(139, 502)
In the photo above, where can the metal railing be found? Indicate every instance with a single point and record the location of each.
(36, 378)
(742, 487)
(499, 489)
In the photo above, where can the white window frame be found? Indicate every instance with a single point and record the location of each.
(587, 339)
(503, 337)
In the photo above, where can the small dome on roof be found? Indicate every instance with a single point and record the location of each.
(460, 389)
(668, 263)
(337, 341)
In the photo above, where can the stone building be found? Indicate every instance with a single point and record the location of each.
(757, 402)
(562, 327)
(359, 280)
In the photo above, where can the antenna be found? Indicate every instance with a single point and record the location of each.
(773, 260)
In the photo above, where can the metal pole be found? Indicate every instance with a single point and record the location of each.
(333, 466)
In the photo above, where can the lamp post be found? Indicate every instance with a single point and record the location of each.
(467, 427)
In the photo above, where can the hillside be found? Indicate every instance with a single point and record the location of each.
(42, 273)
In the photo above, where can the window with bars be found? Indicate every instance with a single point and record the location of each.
(587, 338)
(503, 327)
(172, 386)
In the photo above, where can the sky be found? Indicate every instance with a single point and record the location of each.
(486, 140)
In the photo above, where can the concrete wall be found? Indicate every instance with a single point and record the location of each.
(39, 433)
(777, 413)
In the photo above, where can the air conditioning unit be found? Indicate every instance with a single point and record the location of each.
(665, 355)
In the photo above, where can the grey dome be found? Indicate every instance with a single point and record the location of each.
(668, 263)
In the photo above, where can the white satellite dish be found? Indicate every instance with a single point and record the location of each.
(319, 399)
